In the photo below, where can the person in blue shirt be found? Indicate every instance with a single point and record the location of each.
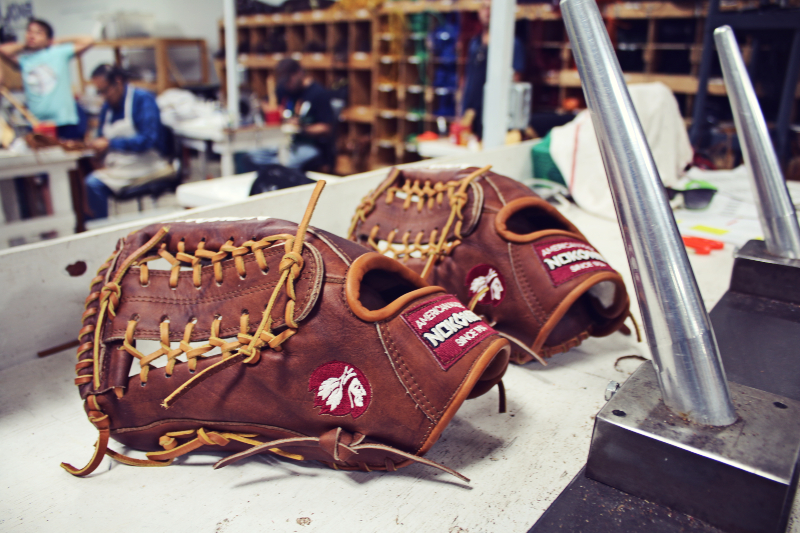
(130, 139)
(475, 77)
(44, 62)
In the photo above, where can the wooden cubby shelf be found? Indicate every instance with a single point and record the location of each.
(397, 86)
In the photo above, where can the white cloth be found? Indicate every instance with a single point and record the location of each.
(123, 168)
(575, 151)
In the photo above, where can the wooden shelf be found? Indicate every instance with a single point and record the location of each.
(359, 114)
(362, 60)
(437, 6)
(678, 83)
(167, 75)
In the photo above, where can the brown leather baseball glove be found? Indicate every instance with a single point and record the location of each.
(503, 250)
(279, 339)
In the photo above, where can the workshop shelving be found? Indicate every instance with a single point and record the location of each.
(397, 60)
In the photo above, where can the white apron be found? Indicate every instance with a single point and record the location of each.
(124, 168)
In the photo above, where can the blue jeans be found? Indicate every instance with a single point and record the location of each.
(74, 131)
(97, 194)
(299, 156)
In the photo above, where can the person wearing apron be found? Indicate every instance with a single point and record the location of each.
(130, 135)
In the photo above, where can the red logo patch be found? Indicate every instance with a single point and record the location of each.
(567, 258)
(340, 389)
(482, 277)
(447, 328)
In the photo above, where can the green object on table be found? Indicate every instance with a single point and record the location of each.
(543, 165)
(699, 184)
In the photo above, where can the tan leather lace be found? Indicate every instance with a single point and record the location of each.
(331, 442)
(243, 338)
(368, 202)
(340, 444)
(418, 193)
(457, 202)
(250, 353)
(103, 425)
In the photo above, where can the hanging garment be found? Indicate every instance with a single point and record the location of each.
(575, 151)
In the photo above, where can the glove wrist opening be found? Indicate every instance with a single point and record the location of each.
(526, 219)
(378, 287)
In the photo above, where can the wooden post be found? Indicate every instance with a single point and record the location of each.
(201, 44)
(162, 66)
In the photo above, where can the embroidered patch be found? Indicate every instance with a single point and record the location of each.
(447, 328)
(340, 389)
(567, 258)
(486, 277)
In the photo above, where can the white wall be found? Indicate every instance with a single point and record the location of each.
(174, 18)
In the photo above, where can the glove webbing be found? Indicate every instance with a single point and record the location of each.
(457, 203)
(290, 267)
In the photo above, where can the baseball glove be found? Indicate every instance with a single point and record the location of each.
(278, 339)
(503, 250)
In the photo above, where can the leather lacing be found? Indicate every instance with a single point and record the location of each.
(338, 443)
(244, 341)
(108, 297)
(192, 353)
(289, 268)
(437, 245)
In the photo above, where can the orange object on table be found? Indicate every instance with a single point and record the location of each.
(702, 246)
(427, 136)
(48, 129)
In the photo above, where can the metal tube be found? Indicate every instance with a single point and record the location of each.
(676, 324)
(778, 217)
(498, 73)
(231, 67)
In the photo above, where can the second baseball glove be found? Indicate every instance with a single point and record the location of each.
(503, 250)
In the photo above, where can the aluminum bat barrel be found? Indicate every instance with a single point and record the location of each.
(676, 324)
(775, 209)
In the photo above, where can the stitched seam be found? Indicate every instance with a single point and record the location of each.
(520, 275)
(499, 194)
(338, 251)
(199, 334)
(399, 358)
(394, 367)
(204, 422)
(450, 400)
(347, 304)
(105, 361)
(208, 299)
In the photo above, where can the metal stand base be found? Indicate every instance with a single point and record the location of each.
(757, 322)
(739, 478)
(589, 506)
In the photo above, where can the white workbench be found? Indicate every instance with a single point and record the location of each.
(227, 142)
(227, 189)
(56, 163)
(518, 461)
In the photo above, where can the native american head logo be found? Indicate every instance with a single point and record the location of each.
(340, 389)
(482, 277)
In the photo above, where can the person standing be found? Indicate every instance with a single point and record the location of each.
(130, 139)
(313, 146)
(475, 78)
(44, 62)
